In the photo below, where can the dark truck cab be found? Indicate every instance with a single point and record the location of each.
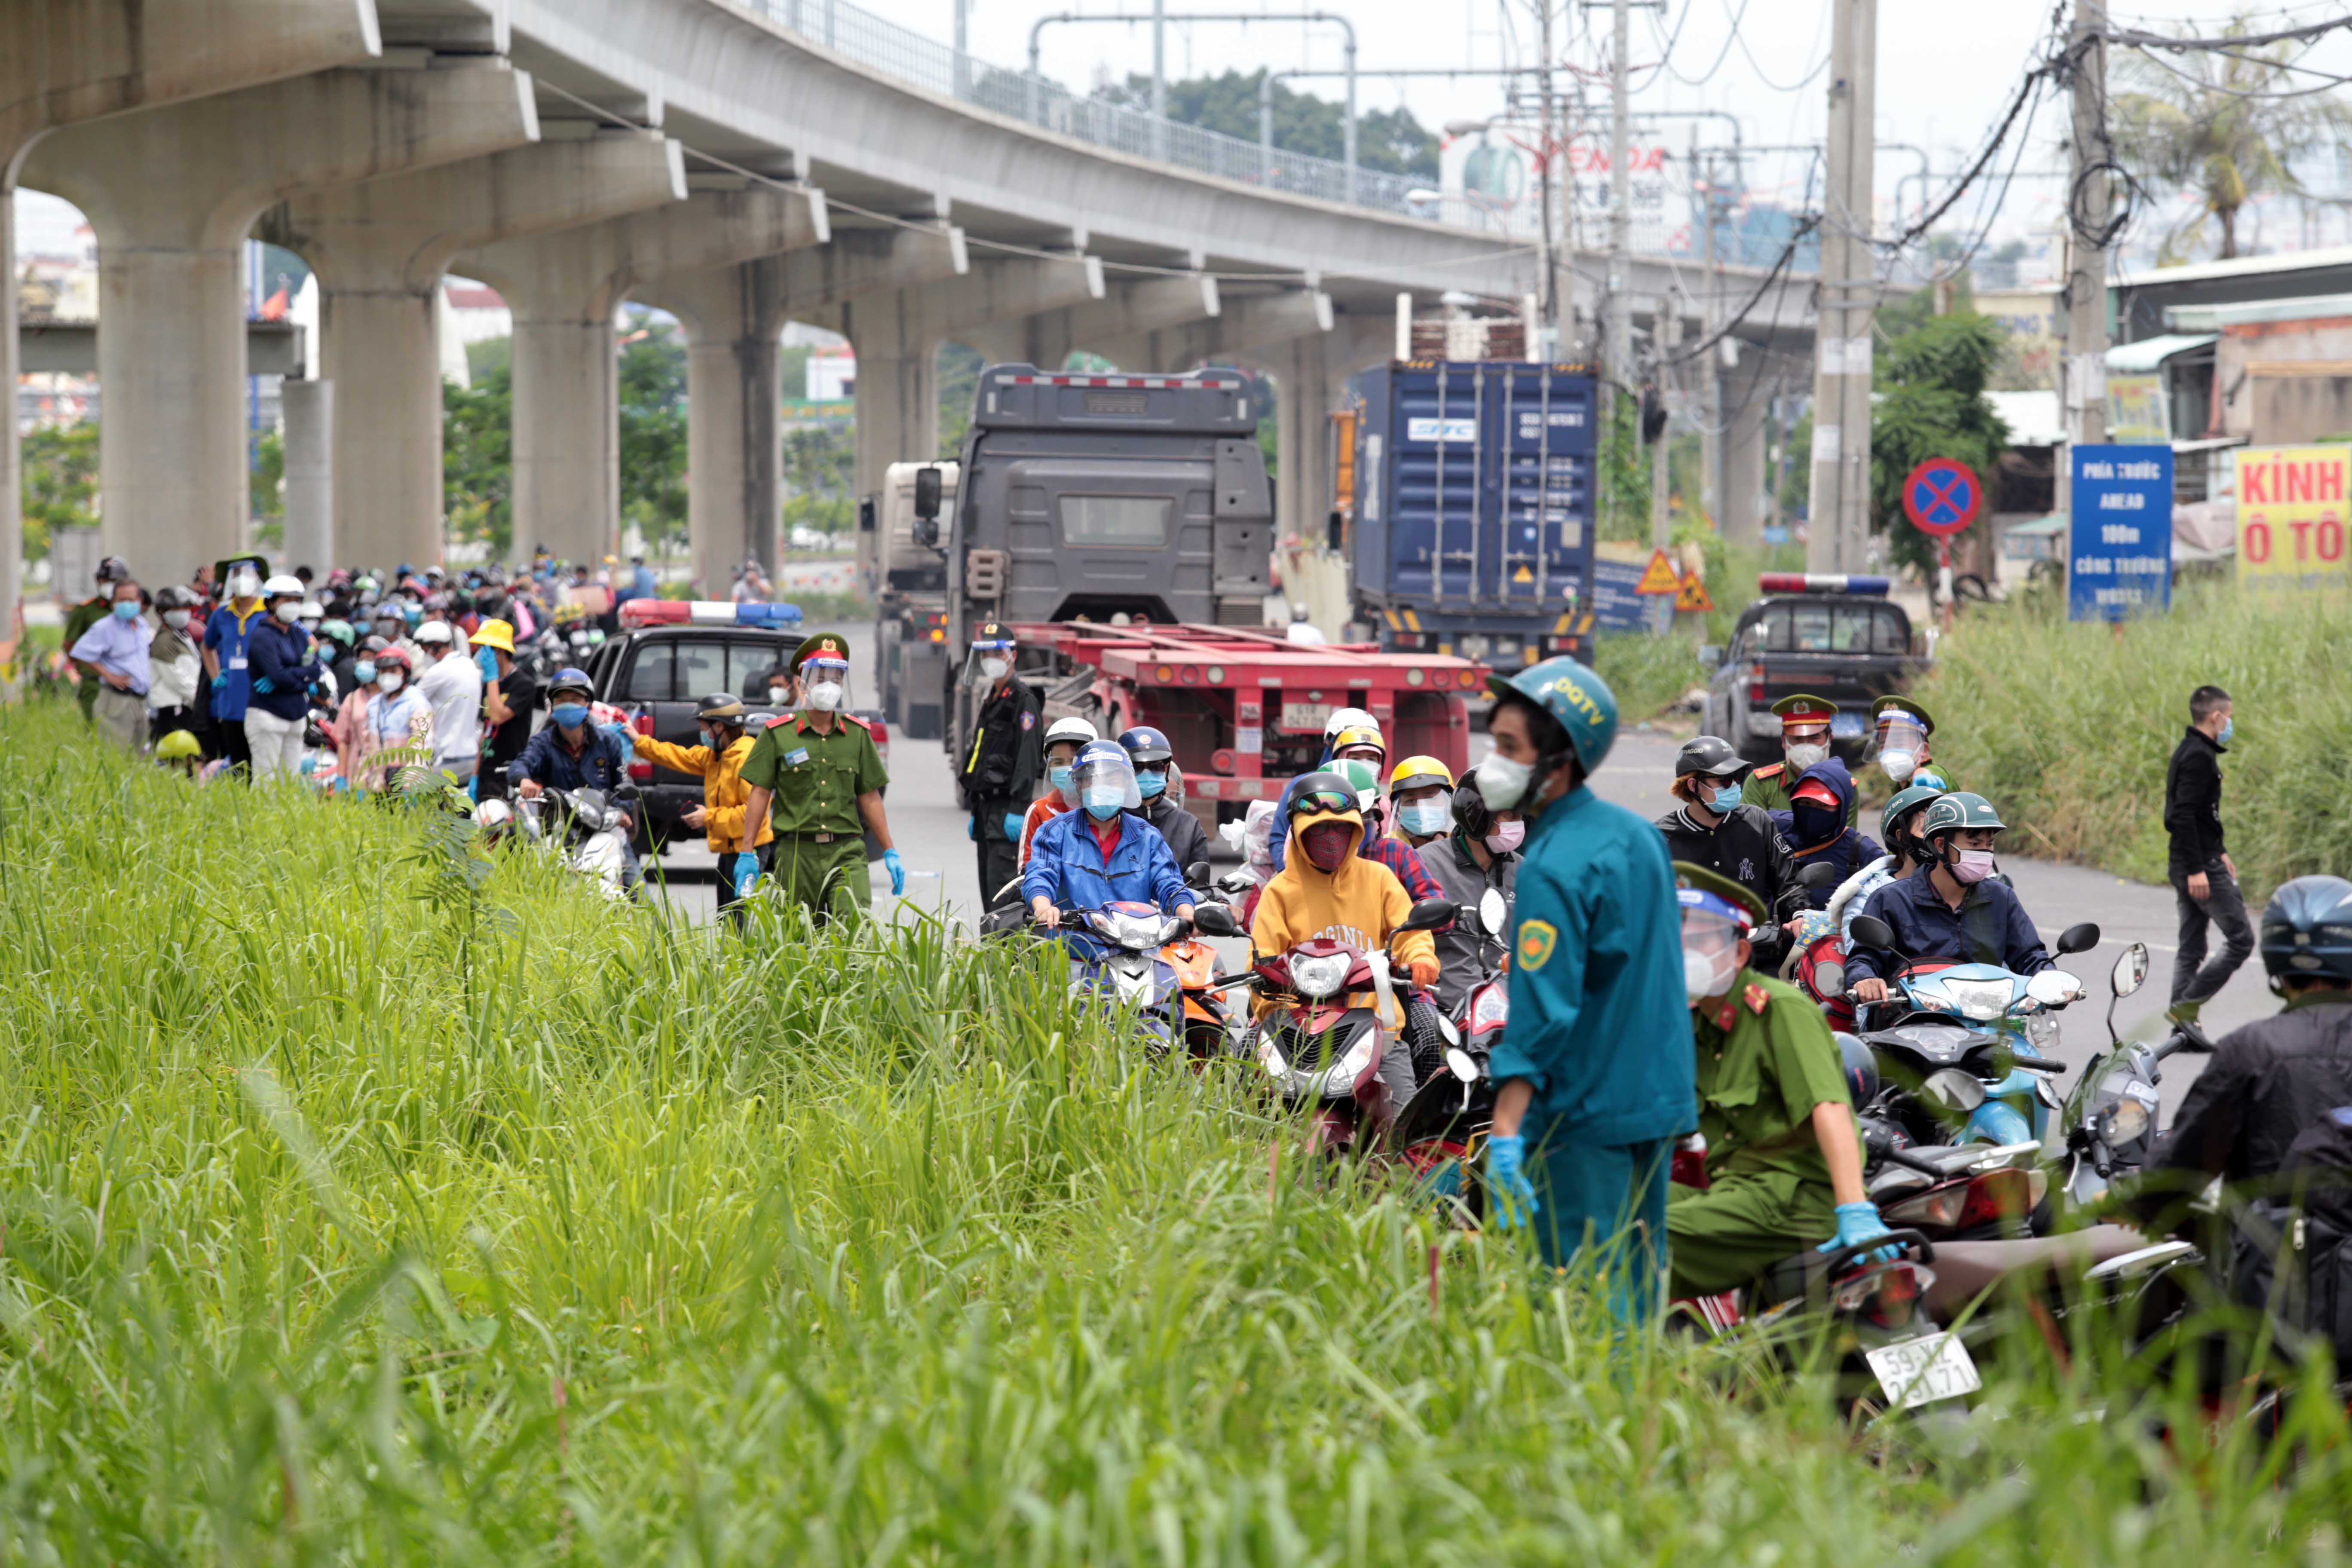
(1834, 637)
(659, 676)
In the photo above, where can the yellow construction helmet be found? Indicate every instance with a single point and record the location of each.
(177, 746)
(1419, 773)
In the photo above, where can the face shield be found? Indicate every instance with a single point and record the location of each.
(824, 684)
(244, 583)
(1712, 930)
(1103, 779)
(1901, 738)
(987, 661)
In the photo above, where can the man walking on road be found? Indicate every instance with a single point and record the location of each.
(823, 774)
(2204, 879)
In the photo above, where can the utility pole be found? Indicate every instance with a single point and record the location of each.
(1621, 197)
(1839, 535)
(1548, 250)
(962, 46)
(1709, 367)
(1160, 80)
(2085, 376)
(1665, 336)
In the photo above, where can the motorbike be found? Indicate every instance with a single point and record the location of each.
(1323, 1054)
(1124, 964)
(578, 825)
(1963, 1192)
(2110, 1118)
(1437, 1132)
(1964, 1047)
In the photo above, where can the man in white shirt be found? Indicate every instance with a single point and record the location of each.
(452, 684)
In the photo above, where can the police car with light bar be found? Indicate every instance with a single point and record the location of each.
(1835, 635)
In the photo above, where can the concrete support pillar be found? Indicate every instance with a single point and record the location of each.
(897, 336)
(1747, 393)
(734, 498)
(309, 409)
(380, 250)
(564, 289)
(62, 62)
(171, 192)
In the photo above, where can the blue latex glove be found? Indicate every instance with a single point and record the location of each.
(617, 727)
(1506, 1183)
(747, 874)
(1012, 821)
(1859, 1223)
(263, 685)
(897, 869)
(972, 828)
(220, 682)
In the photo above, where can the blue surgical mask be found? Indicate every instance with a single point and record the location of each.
(1149, 784)
(1425, 818)
(571, 715)
(2229, 725)
(364, 670)
(1726, 797)
(1060, 779)
(1105, 801)
(128, 610)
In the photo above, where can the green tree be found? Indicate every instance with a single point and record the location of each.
(959, 380)
(1389, 139)
(60, 483)
(266, 487)
(2221, 123)
(652, 431)
(477, 458)
(820, 476)
(1930, 379)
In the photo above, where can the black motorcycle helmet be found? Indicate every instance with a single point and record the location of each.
(1470, 813)
(1321, 791)
(1861, 1070)
(2306, 930)
(1711, 755)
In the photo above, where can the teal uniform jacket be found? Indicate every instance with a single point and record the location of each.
(1599, 1023)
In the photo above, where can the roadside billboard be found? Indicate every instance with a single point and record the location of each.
(2290, 515)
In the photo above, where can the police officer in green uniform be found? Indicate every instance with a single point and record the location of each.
(1804, 741)
(823, 774)
(1783, 1157)
(1900, 730)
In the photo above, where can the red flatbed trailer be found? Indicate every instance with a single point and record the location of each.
(1244, 708)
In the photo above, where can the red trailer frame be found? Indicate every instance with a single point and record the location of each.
(1233, 698)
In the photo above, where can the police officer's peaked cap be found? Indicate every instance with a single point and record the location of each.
(820, 644)
(1804, 708)
(1902, 704)
(993, 634)
(1699, 880)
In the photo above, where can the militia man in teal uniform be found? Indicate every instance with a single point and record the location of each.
(822, 776)
(1783, 1159)
(1804, 741)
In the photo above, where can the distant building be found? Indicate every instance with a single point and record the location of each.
(832, 374)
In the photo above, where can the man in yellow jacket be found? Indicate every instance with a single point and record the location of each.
(1325, 888)
(719, 761)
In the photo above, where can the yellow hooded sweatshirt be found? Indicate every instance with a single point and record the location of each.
(1358, 904)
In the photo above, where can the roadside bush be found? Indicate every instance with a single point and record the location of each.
(2067, 727)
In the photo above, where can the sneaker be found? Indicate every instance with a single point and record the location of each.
(2183, 1013)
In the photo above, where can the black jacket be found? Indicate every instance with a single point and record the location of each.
(1008, 745)
(1187, 839)
(1746, 848)
(2192, 802)
(2265, 1084)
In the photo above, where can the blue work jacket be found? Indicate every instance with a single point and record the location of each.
(1066, 865)
(282, 655)
(1990, 927)
(1599, 1025)
(601, 764)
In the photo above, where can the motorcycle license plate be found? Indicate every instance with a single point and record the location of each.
(1925, 1369)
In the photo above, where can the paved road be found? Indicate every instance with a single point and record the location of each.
(941, 872)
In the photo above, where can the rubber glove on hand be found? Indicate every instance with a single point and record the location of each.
(972, 828)
(1506, 1183)
(263, 685)
(897, 869)
(1012, 821)
(1424, 972)
(747, 874)
(220, 682)
(617, 727)
(1858, 1222)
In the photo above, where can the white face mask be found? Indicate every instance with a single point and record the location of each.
(1811, 753)
(283, 614)
(176, 619)
(1898, 765)
(389, 681)
(1503, 784)
(1507, 836)
(994, 668)
(244, 585)
(825, 696)
(1708, 973)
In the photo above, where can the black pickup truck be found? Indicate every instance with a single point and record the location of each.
(660, 675)
(1838, 638)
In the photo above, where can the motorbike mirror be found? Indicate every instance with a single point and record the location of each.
(1819, 875)
(2131, 970)
(1430, 914)
(1869, 931)
(2079, 939)
(1215, 920)
(1493, 912)
(1461, 1064)
(1197, 874)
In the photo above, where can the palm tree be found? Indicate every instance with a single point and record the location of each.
(2221, 125)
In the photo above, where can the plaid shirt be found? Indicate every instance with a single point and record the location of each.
(1401, 858)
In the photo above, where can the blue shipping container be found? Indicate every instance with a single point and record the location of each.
(1473, 504)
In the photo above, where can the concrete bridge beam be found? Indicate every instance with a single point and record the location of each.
(1127, 310)
(171, 192)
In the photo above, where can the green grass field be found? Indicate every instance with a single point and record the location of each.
(361, 1208)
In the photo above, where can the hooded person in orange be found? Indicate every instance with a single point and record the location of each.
(1325, 888)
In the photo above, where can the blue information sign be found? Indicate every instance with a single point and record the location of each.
(1615, 606)
(2119, 548)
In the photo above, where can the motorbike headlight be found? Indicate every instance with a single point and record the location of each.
(1321, 975)
(2122, 1123)
(1341, 1078)
(1953, 1090)
(1982, 1000)
(1490, 1009)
